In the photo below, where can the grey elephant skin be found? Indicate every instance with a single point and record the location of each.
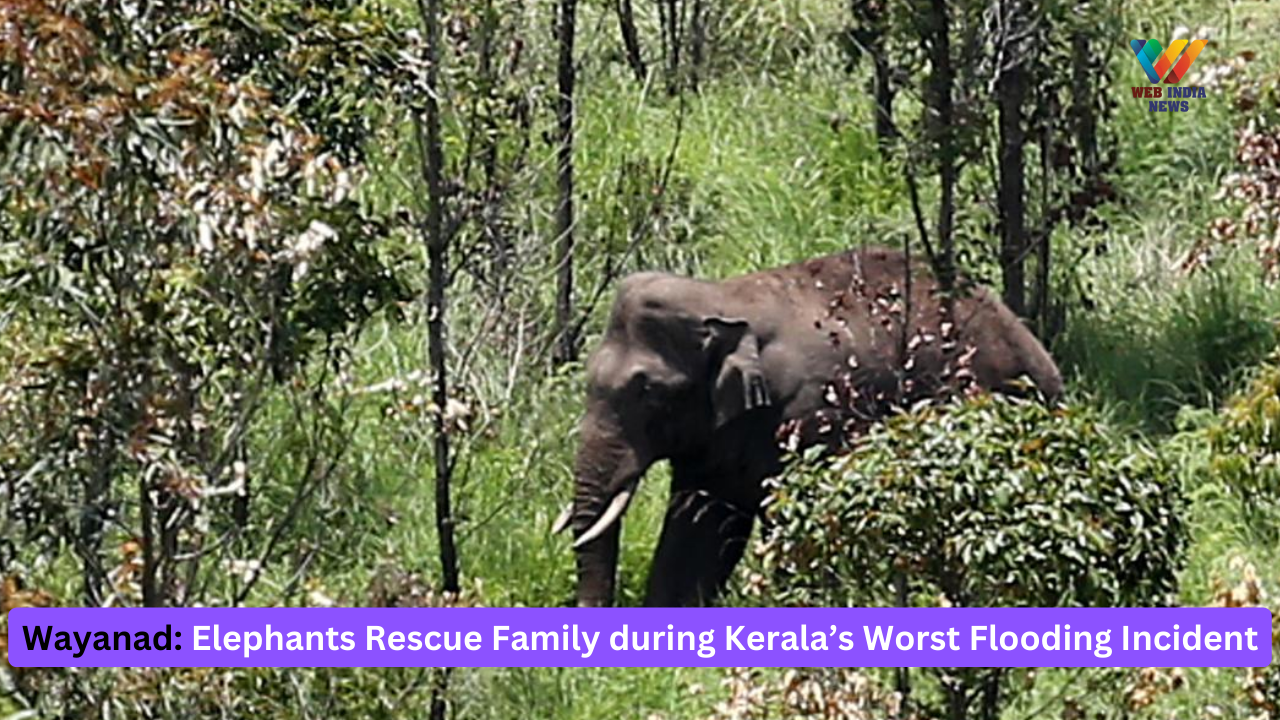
(721, 378)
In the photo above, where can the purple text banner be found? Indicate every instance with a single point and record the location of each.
(639, 637)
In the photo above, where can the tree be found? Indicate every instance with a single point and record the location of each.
(180, 245)
(941, 130)
(631, 38)
(987, 95)
(868, 35)
(436, 233)
(566, 348)
(1011, 93)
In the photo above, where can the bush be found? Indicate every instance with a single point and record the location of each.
(1246, 443)
(180, 256)
(805, 694)
(988, 502)
(1263, 684)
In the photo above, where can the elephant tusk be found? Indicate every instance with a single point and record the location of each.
(617, 506)
(562, 520)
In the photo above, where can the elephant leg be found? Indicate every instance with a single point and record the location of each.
(703, 538)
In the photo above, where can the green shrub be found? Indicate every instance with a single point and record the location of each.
(987, 502)
(805, 693)
(1246, 442)
(1262, 685)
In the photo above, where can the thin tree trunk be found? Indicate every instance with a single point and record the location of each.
(671, 21)
(631, 38)
(868, 21)
(885, 131)
(428, 130)
(492, 200)
(1046, 329)
(664, 42)
(697, 41)
(89, 539)
(941, 80)
(240, 503)
(169, 516)
(1085, 120)
(902, 675)
(439, 693)
(991, 694)
(146, 511)
(566, 343)
(1044, 247)
(1011, 90)
(957, 705)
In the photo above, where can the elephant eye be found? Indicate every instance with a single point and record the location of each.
(650, 392)
(640, 383)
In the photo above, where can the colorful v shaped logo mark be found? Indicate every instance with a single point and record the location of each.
(1156, 64)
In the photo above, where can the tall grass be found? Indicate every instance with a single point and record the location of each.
(1155, 340)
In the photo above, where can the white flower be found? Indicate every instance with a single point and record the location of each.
(306, 245)
(204, 235)
(246, 569)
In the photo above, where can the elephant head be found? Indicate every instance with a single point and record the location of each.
(675, 364)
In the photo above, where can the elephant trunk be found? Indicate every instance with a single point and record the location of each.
(607, 471)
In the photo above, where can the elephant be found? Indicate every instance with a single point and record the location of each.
(726, 379)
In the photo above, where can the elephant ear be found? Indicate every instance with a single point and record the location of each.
(739, 385)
